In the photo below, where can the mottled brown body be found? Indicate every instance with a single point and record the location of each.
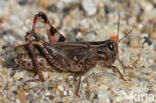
(74, 57)
(62, 56)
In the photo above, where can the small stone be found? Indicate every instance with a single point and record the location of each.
(153, 36)
(103, 94)
(3, 72)
(154, 60)
(64, 92)
(53, 85)
(139, 54)
(9, 38)
(153, 21)
(23, 2)
(84, 25)
(92, 86)
(132, 75)
(70, 77)
(108, 9)
(135, 42)
(138, 62)
(76, 30)
(60, 88)
(11, 96)
(9, 84)
(147, 29)
(53, 8)
(142, 79)
(71, 37)
(18, 75)
(44, 3)
(31, 74)
(118, 99)
(51, 97)
(57, 21)
(106, 100)
(90, 36)
(147, 6)
(21, 96)
(66, 11)
(147, 40)
(79, 36)
(45, 74)
(18, 101)
(33, 84)
(35, 88)
(153, 67)
(68, 1)
(66, 20)
(103, 87)
(70, 92)
(128, 70)
(89, 6)
(126, 84)
(67, 100)
(155, 47)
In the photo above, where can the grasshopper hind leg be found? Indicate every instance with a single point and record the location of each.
(53, 34)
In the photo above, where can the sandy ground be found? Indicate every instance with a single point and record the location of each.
(86, 20)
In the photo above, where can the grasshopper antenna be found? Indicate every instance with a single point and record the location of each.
(125, 35)
(118, 28)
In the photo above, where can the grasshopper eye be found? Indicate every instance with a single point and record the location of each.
(111, 46)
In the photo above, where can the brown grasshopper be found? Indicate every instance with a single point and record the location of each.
(62, 56)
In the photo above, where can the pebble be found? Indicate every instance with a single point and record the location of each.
(67, 100)
(21, 96)
(154, 48)
(135, 42)
(60, 88)
(33, 85)
(108, 9)
(103, 87)
(44, 3)
(18, 101)
(153, 36)
(153, 21)
(3, 4)
(64, 92)
(68, 1)
(90, 36)
(147, 6)
(89, 6)
(84, 24)
(103, 94)
(71, 37)
(79, 36)
(147, 40)
(23, 2)
(18, 75)
(53, 8)
(45, 74)
(153, 67)
(107, 100)
(11, 96)
(9, 38)
(154, 60)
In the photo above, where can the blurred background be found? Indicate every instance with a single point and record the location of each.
(81, 20)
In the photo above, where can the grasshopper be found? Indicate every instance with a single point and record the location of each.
(62, 56)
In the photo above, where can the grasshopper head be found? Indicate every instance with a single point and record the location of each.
(108, 51)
